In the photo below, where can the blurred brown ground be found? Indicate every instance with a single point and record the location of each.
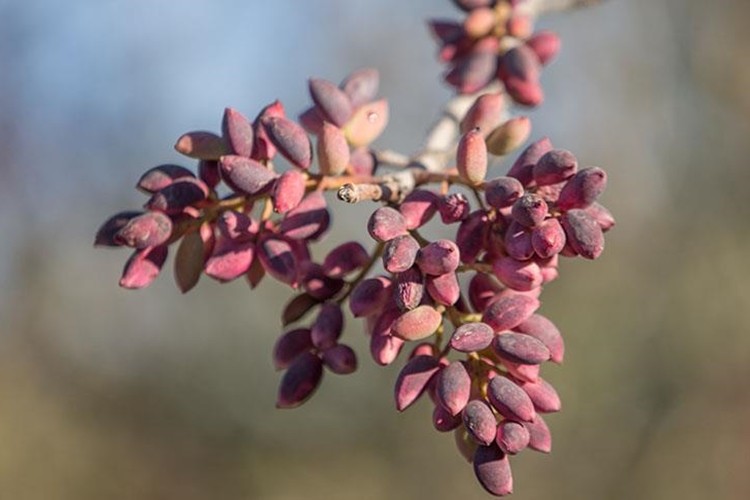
(151, 395)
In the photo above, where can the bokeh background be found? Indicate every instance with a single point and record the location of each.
(106, 393)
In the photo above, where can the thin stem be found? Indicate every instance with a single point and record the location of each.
(392, 158)
(477, 266)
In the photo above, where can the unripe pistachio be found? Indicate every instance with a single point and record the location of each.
(453, 387)
(548, 238)
(361, 86)
(544, 330)
(409, 289)
(245, 175)
(308, 220)
(518, 275)
(202, 145)
(386, 223)
(512, 437)
(333, 150)
(582, 189)
(332, 102)
(290, 139)
(107, 233)
(480, 422)
(369, 296)
(264, 148)
(143, 267)
(522, 169)
(344, 259)
(300, 381)
(583, 234)
(399, 253)
(290, 345)
(453, 207)
(417, 324)
(159, 177)
(340, 359)
(230, 259)
(439, 257)
(175, 197)
(367, 123)
(471, 337)
(328, 325)
(189, 261)
(509, 136)
(529, 210)
(238, 132)
(545, 45)
(471, 157)
(149, 229)
(413, 380)
(510, 400)
(288, 191)
(508, 311)
(418, 208)
(520, 348)
(492, 469)
(543, 395)
(502, 192)
(540, 438)
(555, 166)
(444, 289)
(485, 114)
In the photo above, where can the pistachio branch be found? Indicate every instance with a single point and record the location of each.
(536, 8)
(439, 146)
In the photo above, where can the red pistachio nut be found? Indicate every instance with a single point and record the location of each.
(333, 150)
(300, 381)
(290, 139)
(245, 175)
(361, 86)
(367, 123)
(523, 168)
(480, 422)
(418, 208)
(472, 337)
(508, 311)
(333, 103)
(485, 114)
(584, 235)
(453, 387)
(417, 324)
(509, 136)
(237, 132)
(471, 157)
(288, 191)
(344, 259)
(340, 359)
(143, 267)
(510, 400)
(492, 469)
(291, 345)
(386, 223)
(159, 177)
(545, 331)
(512, 437)
(413, 379)
(202, 145)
